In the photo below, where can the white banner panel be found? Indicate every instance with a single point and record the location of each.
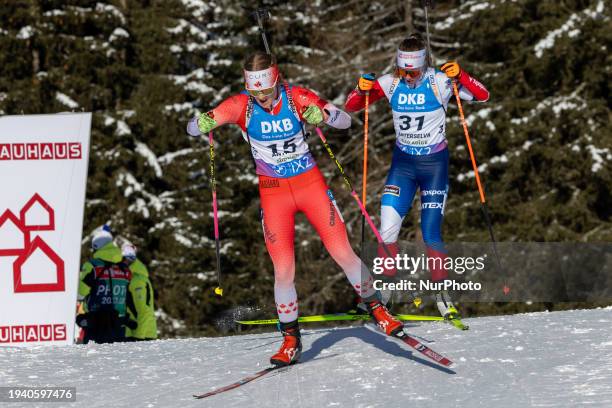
(43, 172)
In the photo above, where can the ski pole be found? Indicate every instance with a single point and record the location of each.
(353, 192)
(262, 14)
(483, 202)
(426, 4)
(365, 165)
(213, 182)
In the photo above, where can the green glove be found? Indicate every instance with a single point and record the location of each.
(313, 115)
(206, 123)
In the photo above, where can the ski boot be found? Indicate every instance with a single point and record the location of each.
(385, 320)
(448, 310)
(291, 349)
(385, 297)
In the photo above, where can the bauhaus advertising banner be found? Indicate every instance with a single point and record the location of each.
(43, 172)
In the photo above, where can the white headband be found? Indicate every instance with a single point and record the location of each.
(264, 79)
(411, 59)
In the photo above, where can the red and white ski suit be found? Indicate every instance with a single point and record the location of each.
(290, 182)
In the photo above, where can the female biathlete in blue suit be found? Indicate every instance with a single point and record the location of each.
(418, 95)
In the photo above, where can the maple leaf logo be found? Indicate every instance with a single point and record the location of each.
(257, 84)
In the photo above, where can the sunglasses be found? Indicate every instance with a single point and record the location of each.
(410, 73)
(262, 92)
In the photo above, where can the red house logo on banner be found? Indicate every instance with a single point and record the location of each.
(16, 240)
(12, 235)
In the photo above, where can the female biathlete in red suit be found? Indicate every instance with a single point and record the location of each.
(271, 114)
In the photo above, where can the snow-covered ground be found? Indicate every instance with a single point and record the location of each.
(561, 359)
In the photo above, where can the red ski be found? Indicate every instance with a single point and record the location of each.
(421, 348)
(238, 383)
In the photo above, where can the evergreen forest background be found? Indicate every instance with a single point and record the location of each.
(144, 67)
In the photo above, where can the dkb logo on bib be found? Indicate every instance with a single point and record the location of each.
(277, 126)
(411, 99)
